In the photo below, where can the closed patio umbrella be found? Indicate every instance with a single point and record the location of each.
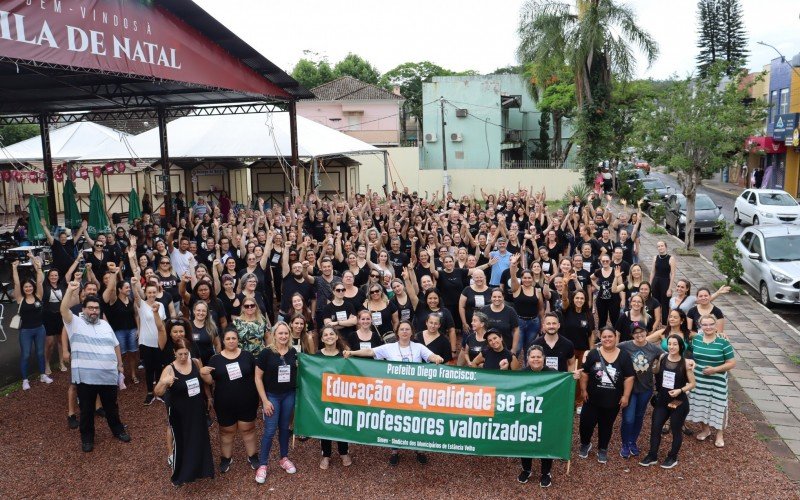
(134, 207)
(72, 216)
(98, 220)
(35, 230)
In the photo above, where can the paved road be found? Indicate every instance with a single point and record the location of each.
(705, 244)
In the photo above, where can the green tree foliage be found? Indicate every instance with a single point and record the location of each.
(595, 39)
(721, 36)
(357, 67)
(631, 192)
(733, 36)
(409, 77)
(726, 256)
(626, 100)
(508, 70)
(541, 149)
(310, 73)
(695, 127)
(558, 99)
(12, 134)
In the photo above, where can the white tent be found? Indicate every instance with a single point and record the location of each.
(66, 143)
(257, 135)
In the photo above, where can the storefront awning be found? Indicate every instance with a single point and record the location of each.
(759, 143)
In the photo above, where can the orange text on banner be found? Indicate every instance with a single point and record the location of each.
(410, 395)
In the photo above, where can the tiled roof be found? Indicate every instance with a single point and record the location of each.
(348, 88)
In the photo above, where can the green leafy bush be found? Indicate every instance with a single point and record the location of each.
(726, 257)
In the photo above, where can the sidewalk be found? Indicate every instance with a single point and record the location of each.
(727, 189)
(766, 382)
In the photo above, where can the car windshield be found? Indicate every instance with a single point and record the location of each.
(783, 248)
(701, 203)
(653, 184)
(777, 199)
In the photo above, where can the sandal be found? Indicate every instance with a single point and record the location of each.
(323, 464)
(687, 431)
(719, 443)
(703, 436)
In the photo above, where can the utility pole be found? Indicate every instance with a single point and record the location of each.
(445, 182)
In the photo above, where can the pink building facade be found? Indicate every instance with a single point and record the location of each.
(361, 110)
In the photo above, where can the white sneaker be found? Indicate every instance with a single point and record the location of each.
(45, 379)
(26, 386)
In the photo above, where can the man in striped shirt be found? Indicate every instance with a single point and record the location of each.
(96, 363)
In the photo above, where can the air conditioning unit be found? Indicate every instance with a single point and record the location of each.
(461, 113)
(430, 137)
(456, 137)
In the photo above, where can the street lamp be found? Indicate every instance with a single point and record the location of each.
(783, 58)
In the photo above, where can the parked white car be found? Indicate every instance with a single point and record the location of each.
(770, 206)
(770, 257)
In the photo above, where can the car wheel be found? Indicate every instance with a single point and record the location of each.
(763, 294)
(755, 220)
(736, 219)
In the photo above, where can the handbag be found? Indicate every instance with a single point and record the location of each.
(16, 321)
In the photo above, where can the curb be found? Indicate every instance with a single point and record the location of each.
(720, 191)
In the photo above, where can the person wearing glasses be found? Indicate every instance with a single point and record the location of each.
(169, 281)
(383, 312)
(340, 314)
(714, 358)
(402, 351)
(252, 326)
(98, 257)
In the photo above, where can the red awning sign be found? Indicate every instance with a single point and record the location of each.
(122, 36)
(765, 145)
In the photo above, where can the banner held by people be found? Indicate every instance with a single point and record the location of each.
(436, 407)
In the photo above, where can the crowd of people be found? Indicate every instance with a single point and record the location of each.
(209, 312)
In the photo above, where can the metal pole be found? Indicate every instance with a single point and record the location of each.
(295, 149)
(47, 159)
(162, 135)
(386, 171)
(315, 175)
(444, 150)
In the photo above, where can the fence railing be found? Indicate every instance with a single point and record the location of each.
(535, 164)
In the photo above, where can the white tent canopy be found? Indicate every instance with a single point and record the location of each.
(256, 135)
(66, 143)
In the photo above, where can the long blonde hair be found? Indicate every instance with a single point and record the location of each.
(272, 346)
(209, 324)
(259, 317)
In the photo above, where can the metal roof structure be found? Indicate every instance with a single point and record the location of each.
(130, 59)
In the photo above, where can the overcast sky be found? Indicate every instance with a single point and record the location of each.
(472, 34)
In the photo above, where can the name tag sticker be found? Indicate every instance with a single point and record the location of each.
(193, 387)
(668, 382)
(284, 374)
(551, 362)
(479, 301)
(341, 315)
(234, 371)
(377, 319)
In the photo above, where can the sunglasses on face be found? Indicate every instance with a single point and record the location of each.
(374, 276)
(249, 306)
(339, 290)
(374, 291)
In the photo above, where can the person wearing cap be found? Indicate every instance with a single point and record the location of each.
(643, 354)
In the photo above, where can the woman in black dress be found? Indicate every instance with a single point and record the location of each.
(664, 267)
(333, 346)
(191, 452)
(235, 399)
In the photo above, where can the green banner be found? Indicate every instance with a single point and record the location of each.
(440, 408)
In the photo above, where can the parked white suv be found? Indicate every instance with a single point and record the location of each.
(770, 206)
(770, 257)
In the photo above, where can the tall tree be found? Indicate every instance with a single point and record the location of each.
(596, 39)
(542, 147)
(558, 99)
(12, 134)
(708, 36)
(409, 77)
(695, 128)
(357, 67)
(733, 36)
(312, 73)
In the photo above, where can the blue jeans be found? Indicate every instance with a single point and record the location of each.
(127, 340)
(27, 337)
(283, 406)
(633, 416)
(528, 331)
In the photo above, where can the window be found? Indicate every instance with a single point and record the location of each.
(354, 122)
(773, 105)
(746, 240)
(783, 107)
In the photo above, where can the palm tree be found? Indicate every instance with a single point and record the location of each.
(595, 38)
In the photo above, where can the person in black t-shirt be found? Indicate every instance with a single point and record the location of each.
(495, 356)
(536, 363)
(606, 385)
(559, 351)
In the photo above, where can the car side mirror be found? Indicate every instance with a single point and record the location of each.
(754, 256)
(719, 207)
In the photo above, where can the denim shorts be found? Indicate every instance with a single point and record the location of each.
(127, 340)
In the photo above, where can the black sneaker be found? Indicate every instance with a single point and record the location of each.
(669, 463)
(524, 476)
(422, 458)
(148, 400)
(100, 412)
(225, 464)
(72, 422)
(546, 480)
(124, 437)
(87, 446)
(602, 456)
(648, 460)
(394, 459)
(584, 451)
(253, 461)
